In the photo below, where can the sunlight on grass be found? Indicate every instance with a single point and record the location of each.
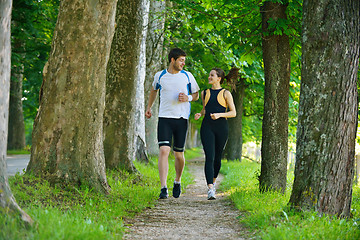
(77, 212)
(268, 215)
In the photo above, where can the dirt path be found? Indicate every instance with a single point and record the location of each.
(191, 216)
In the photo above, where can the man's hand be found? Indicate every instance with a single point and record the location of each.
(183, 97)
(148, 113)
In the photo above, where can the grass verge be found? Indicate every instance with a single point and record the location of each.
(70, 212)
(267, 214)
(18, 152)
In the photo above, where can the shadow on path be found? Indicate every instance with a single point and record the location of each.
(191, 216)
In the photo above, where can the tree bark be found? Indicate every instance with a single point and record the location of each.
(68, 129)
(276, 56)
(120, 124)
(8, 204)
(154, 55)
(233, 149)
(140, 144)
(192, 136)
(327, 119)
(16, 129)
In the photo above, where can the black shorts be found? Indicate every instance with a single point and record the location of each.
(172, 128)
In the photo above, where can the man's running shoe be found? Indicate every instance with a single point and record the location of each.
(176, 190)
(164, 193)
(211, 194)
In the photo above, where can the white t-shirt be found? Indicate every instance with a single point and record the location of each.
(171, 86)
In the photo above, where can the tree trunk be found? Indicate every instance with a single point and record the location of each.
(192, 136)
(16, 130)
(120, 124)
(154, 54)
(140, 145)
(233, 149)
(68, 130)
(274, 147)
(327, 120)
(7, 200)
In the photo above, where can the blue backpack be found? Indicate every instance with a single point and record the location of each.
(158, 85)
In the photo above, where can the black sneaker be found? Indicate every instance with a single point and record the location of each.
(176, 190)
(164, 193)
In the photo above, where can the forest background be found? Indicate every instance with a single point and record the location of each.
(225, 34)
(225, 38)
(222, 39)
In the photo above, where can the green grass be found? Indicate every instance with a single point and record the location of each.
(268, 216)
(193, 153)
(71, 212)
(18, 152)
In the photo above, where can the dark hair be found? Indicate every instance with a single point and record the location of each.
(176, 53)
(233, 74)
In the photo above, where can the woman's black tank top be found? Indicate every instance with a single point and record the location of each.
(213, 105)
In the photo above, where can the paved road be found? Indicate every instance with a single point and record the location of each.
(16, 163)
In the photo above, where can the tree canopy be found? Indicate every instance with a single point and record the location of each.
(227, 33)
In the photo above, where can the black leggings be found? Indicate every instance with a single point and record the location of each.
(214, 134)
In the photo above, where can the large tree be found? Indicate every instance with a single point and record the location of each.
(328, 108)
(7, 200)
(68, 130)
(276, 56)
(120, 125)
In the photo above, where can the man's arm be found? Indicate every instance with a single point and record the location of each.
(152, 97)
(195, 96)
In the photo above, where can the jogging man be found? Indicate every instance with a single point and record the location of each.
(177, 89)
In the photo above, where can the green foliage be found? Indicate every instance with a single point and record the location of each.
(227, 33)
(32, 27)
(222, 33)
(268, 213)
(71, 212)
(193, 153)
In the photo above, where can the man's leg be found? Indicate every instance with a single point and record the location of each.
(179, 165)
(163, 164)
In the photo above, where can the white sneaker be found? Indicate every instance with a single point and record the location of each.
(211, 194)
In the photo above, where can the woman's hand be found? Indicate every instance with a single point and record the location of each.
(215, 116)
(197, 116)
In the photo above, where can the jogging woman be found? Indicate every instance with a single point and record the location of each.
(214, 128)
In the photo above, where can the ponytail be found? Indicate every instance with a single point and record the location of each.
(232, 76)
